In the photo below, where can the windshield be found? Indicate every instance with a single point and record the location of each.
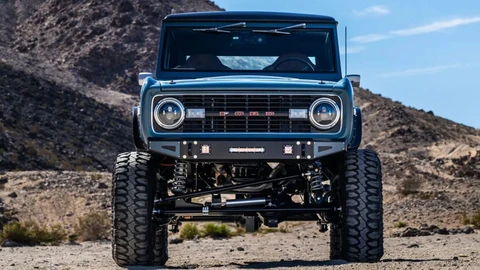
(242, 49)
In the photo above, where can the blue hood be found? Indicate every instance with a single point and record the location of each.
(245, 83)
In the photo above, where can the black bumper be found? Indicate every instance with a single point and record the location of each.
(196, 150)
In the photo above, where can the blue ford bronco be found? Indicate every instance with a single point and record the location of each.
(248, 109)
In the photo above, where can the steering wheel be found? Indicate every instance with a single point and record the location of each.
(308, 66)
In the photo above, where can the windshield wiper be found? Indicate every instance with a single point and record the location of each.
(219, 29)
(282, 31)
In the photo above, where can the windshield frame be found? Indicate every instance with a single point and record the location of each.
(169, 74)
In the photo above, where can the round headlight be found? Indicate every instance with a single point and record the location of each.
(324, 113)
(169, 113)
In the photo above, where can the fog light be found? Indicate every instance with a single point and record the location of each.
(288, 149)
(297, 114)
(196, 113)
(205, 149)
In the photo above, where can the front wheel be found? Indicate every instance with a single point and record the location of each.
(357, 235)
(135, 239)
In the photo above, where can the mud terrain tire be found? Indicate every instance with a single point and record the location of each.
(357, 236)
(135, 239)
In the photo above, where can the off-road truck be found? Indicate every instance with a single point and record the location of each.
(251, 110)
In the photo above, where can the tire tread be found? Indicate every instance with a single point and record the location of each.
(132, 203)
(358, 237)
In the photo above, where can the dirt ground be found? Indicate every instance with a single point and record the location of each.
(301, 248)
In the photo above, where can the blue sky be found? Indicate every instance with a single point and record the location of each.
(424, 54)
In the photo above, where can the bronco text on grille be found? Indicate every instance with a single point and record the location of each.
(248, 113)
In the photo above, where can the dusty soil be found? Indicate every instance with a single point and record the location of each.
(302, 248)
(57, 197)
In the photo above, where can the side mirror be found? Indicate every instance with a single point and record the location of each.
(142, 76)
(355, 79)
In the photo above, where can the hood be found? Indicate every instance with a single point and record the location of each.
(246, 82)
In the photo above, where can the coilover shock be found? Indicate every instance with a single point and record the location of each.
(316, 179)
(180, 178)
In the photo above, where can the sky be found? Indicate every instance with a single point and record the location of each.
(423, 53)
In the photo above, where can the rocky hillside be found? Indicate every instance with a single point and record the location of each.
(48, 126)
(106, 42)
(65, 67)
(431, 165)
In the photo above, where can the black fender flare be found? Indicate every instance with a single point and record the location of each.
(137, 140)
(357, 129)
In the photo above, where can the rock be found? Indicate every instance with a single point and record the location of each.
(424, 233)
(125, 6)
(468, 230)
(424, 227)
(121, 21)
(13, 195)
(240, 249)
(102, 185)
(409, 232)
(455, 258)
(426, 230)
(175, 241)
(231, 250)
(8, 243)
(443, 231)
(3, 180)
(454, 231)
(413, 246)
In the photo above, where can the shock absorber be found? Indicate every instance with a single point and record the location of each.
(316, 179)
(180, 178)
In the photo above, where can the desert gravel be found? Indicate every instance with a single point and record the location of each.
(296, 250)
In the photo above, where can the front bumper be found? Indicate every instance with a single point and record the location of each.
(253, 150)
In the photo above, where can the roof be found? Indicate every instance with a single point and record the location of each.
(240, 16)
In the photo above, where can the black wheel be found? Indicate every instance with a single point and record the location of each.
(135, 239)
(357, 235)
